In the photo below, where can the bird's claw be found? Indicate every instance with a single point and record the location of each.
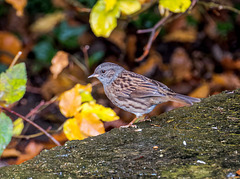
(128, 126)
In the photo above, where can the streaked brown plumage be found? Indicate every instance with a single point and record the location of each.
(133, 92)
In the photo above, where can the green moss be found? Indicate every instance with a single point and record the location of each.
(199, 141)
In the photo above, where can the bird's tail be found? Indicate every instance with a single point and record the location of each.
(185, 99)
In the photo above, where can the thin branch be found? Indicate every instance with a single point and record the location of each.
(219, 6)
(79, 7)
(41, 105)
(79, 64)
(156, 30)
(15, 59)
(32, 89)
(38, 134)
(85, 54)
(35, 110)
(154, 33)
(34, 124)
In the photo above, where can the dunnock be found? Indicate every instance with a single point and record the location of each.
(133, 92)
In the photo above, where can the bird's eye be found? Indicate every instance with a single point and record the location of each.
(103, 71)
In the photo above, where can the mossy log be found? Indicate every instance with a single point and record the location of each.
(199, 141)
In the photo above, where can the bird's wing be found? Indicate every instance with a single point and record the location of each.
(138, 86)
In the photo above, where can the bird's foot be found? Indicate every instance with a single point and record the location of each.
(128, 126)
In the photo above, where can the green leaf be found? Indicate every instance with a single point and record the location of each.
(176, 6)
(68, 35)
(44, 51)
(223, 28)
(129, 6)
(86, 96)
(5, 131)
(87, 3)
(95, 58)
(13, 83)
(147, 19)
(3, 68)
(103, 22)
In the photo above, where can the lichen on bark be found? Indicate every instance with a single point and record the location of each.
(196, 142)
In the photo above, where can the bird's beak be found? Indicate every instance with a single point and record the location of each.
(93, 75)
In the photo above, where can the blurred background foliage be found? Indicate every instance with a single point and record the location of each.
(197, 54)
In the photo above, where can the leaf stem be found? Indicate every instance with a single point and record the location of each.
(15, 59)
(31, 122)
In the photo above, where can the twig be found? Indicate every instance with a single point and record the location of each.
(41, 105)
(38, 134)
(34, 110)
(32, 89)
(219, 6)
(95, 83)
(156, 29)
(15, 59)
(80, 7)
(79, 64)
(85, 54)
(34, 124)
(154, 33)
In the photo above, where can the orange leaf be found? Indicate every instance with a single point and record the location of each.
(19, 5)
(11, 44)
(227, 80)
(181, 65)
(10, 153)
(59, 62)
(182, 35)
(148, 67)
(71, 130)
(31, 151)
(90, 124)
(82, 126)
(70, 101)
(202, 91)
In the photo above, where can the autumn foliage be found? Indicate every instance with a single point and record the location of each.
(49, 48)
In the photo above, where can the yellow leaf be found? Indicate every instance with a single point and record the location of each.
(110, 4)
(90, 124)
(71, 130)
(87, 87)
(18, 126)
(82, 126)
(103, 22)
(47, 22)
(59, 62)
(176, 6)
(70, 101)
(129, 6)
(19, 5)
(104, 113)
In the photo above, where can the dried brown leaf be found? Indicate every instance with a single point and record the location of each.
(59, 62)
(19, 5)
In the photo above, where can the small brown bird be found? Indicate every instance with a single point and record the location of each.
(133, 92)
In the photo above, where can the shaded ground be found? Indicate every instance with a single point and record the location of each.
(196, 142)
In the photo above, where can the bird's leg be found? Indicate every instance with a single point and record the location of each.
(146, 118)
(136, 119)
